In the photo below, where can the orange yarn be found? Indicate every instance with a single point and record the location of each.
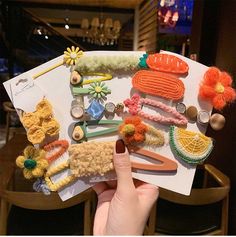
(133, 130)
(53, 151)
(158, 84)
(216, 86)
(167, 63)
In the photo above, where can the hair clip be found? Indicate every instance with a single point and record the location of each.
(158, 84)
(133, 131)
(40, 123)
(61, 183)
(135, 108)
(96, 63)
(167, 63)
(80, 132)
(72, 55)
(77, 79)
(216, 87)
(55, 149)
(165, 164)
(91, 158)
(191, 147)
(32, 162)
(98, 90)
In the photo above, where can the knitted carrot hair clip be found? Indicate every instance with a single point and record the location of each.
(191, 147)
(216, 87)
(164, 63)
(133, 131)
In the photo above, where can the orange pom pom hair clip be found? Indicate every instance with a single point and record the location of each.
(134, 131)
(216, 86)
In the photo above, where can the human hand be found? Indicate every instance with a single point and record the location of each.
(123, 205)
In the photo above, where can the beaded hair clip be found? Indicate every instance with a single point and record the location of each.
(158, 84)
(134, 131)
(191, 147)
(41, 123)
(216, 87)
(135, 108)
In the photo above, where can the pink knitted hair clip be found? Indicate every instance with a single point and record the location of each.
(135, 108)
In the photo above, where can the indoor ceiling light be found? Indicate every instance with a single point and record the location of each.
(67, 27)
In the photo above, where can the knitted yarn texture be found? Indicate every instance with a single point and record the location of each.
(135, 108)
(158, 84)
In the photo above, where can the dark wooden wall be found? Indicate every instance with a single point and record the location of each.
(213, 39)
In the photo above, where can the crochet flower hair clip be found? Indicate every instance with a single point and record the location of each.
(134, 131)
(216, 87)
(32, 162)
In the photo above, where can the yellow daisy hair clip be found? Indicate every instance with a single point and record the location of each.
(71, 55)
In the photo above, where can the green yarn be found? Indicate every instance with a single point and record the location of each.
(30, 164)
(128, 129)
(142, 61)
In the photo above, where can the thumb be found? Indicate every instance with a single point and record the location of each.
(122, 166)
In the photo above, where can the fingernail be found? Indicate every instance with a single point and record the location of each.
(120, 146)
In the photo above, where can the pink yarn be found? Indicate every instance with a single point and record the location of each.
(135, 108)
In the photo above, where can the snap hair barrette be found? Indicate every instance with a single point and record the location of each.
(158, 84)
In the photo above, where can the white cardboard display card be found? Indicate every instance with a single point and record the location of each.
(55, 85)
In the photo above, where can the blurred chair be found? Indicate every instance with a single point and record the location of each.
(13, 124)
(37, 201)
(204, 212)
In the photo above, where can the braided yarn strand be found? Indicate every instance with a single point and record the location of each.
(158, 84)
(57, 169)
(135, 108)
(60, 184)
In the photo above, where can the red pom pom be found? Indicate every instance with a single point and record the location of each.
(211, 76)
(141, 128)
(229, 94)
(133, 120)
(206, 92)
(218, 102)
(225, 79)
(139, 137)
